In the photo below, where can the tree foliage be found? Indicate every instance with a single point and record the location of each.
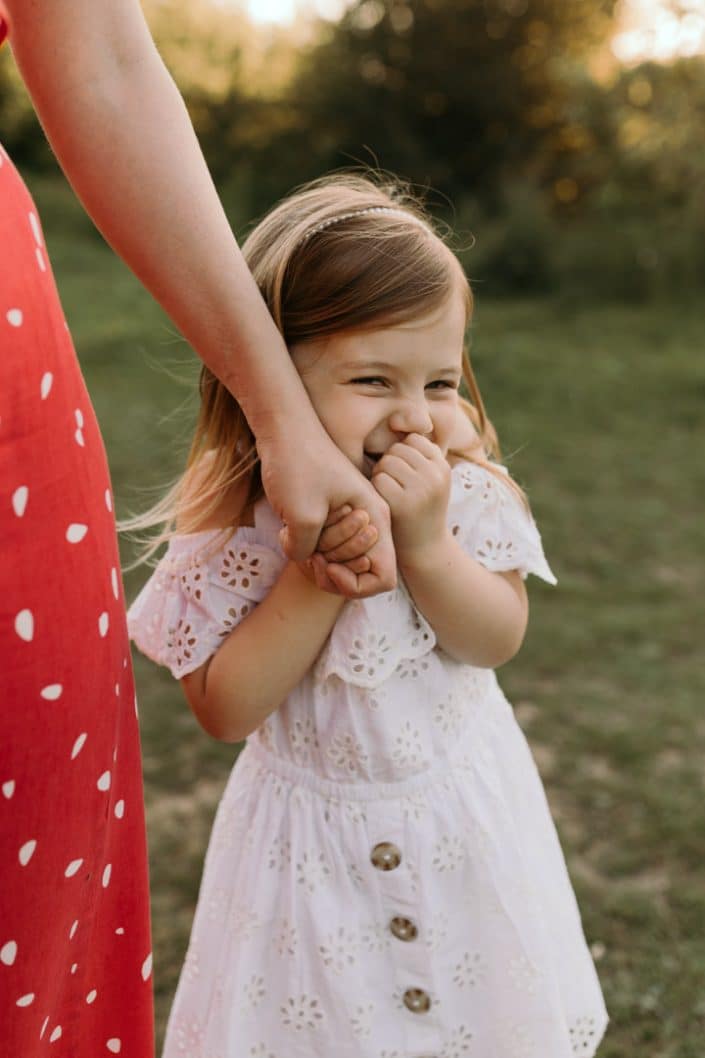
(457, 92)
(494, 104)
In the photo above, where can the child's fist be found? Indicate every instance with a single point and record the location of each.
(346, 538)
(413, 476)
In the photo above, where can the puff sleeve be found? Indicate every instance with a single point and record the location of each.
(200, 590)
(372, 637)
(492, 524)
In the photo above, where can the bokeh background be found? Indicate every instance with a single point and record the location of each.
(564, 143)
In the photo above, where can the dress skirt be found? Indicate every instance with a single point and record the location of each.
(384, 879)
(75, 950)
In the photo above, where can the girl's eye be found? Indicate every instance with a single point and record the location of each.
(442, 383)
(373, 380)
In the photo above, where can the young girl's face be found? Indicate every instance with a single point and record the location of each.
(373, 388)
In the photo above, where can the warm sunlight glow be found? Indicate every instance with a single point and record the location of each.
(284, 11)
(648, 29)
(654, 29)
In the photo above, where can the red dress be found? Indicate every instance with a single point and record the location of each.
(75, 950)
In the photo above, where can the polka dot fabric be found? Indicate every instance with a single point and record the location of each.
(75, 959)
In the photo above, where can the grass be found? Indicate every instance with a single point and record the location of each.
(601, 407)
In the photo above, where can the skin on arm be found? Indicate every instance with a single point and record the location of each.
(270, 651)
(479, 617)
(263, 658)
(121, 132)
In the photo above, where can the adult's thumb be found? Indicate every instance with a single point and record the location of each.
(298, 543)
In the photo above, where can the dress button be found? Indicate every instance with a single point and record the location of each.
(385, 856)
(417, 1001)
(403, 928)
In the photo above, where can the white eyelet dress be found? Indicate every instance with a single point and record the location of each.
(383, 878)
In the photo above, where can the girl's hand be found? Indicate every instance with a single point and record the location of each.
(414, 477)
(347, 537)
(304, 491)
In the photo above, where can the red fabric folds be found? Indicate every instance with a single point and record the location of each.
(75, 949)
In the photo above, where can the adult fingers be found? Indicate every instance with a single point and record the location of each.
(299, 540)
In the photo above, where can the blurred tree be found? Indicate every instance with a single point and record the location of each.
(458, 94)
(570, 168)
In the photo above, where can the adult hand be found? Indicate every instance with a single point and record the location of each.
(305, 479)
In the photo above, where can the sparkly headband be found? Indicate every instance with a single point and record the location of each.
(363, 213)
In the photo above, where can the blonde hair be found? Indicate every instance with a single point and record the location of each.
(343, 253)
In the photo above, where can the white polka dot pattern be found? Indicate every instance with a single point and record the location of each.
(27, 851)
(52, 692)
(19, 500)
(76, 532)
(66, 737)
(8, 953)
(24, 625)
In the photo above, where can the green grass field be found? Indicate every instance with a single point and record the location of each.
(601, 409)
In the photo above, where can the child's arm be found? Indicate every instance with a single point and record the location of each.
(479, 617)
(263, 658)
(271, 649)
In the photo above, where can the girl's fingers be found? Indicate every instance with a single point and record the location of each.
(335, 516)
(423, 445)
(354, 547)
(388, 488)
(319, 566)
(355, 586)
(343, 580)
(348, 526)
(361, 564)
(415, 450)
(402, 469)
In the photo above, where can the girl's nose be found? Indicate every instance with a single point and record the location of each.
(411, 417)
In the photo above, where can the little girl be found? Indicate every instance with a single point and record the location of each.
(383, 878)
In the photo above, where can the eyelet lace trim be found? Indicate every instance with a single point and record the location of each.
(491, 524)
(196, 597)
(199, 593)
(372, 637)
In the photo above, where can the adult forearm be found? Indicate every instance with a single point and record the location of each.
(479, 617)
(265, 657)
(121, 132)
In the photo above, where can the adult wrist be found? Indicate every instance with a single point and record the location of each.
(284, 409)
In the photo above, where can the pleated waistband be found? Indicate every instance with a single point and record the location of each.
(346, 791)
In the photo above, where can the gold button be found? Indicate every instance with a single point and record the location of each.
(403, 928)
(385, 856)
(417, 1001)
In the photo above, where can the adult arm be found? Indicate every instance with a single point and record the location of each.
(121, 132)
